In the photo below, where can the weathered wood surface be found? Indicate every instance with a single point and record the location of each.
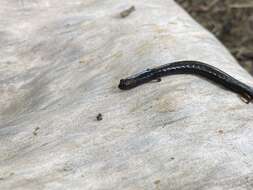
(61, 62)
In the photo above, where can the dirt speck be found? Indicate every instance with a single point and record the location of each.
(9, 175)
(35, 132)
(221, 131)
(99, 117)
(157, 184)
(127, 12)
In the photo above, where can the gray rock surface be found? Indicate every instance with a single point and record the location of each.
(60, 65)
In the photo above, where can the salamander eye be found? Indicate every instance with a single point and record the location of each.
(122, 81)
(125, 82)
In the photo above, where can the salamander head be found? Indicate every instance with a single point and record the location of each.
(126, 84)
(137, 79)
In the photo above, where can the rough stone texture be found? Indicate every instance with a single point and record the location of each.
(61, 62)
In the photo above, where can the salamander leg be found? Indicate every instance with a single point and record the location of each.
(157, 80)
(246, 98)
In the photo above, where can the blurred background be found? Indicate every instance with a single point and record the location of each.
(231, 21)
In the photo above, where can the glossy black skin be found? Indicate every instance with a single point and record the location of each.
(189, 67)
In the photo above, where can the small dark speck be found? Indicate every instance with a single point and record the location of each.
(172, 158)
(3, 178)
(11, 174)
(45, 144)
(127, 12)
(220, 131)
(157, 182)
(99, 117)
(66, 169)
(35, 132)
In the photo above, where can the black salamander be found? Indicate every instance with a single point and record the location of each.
(189, 67)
